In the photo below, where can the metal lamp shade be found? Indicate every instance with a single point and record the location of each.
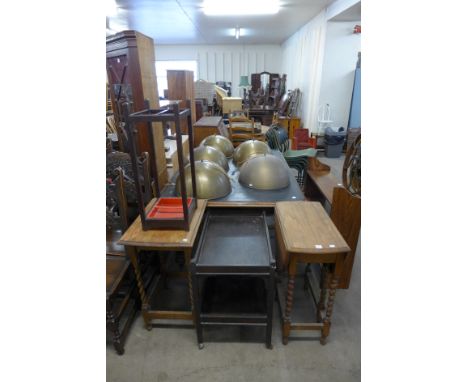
(264, 172)
(249, 149)
(211, 154)
(212, 180)
(219, 142)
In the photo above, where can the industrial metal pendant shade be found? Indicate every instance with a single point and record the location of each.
(264, 172)
(219, 142)
(211, 154)
(212, 182)
(249, 149)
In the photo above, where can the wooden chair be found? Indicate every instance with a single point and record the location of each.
(301, 139)
(242, 129)
(239, 113)
(121, 296)
(120, 281)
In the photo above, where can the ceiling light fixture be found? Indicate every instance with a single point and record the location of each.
(237, 33)
(111, 8)
(240, 7)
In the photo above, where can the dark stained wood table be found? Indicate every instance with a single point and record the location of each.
(135, 239)
(242, 196)
(306, 234)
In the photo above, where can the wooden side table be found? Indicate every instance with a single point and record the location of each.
(306, 234)
(161, 240)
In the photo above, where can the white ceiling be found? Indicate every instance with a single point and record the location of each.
(183, 22)
(351, 14)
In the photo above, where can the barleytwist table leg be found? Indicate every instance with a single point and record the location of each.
(329, 311)
(287, 313)
(324, 281)
(141, 288)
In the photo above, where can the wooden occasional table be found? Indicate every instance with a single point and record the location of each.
(306, 234)
(161, 240)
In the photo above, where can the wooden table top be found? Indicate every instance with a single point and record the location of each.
(326, 182)
(263, 128)
(135, 236)
(208, 121)
(307, 228)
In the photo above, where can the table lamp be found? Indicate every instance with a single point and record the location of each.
(244, 86)
(244, 81)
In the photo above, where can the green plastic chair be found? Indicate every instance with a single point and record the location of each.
(277, 139)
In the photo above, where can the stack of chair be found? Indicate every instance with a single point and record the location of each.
(239, 113)
(277, 139)
(242, 129)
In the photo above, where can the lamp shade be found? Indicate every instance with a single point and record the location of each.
(244, 81)
(264, 172)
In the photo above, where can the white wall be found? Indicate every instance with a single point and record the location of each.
(225, 62)
(302, 61)
(341, 54)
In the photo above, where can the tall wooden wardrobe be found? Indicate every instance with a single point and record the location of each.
(180, 86)
(131, 61)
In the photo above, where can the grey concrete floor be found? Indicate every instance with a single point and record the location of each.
(172, 354)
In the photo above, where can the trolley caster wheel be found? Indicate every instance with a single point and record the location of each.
(120, 351)
(285, 341)
(201, 346)
(323, 341)
(149, 327)
(270, 347)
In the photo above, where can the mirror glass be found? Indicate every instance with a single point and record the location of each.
(265, 81)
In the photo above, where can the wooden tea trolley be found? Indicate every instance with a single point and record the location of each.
(234, 257)
(306, 234)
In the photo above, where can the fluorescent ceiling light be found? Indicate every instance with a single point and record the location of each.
(111, 8)
(237, 33)
(240, 7)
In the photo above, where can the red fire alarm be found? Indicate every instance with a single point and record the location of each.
(357, 29)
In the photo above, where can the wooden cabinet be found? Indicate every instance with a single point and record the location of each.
(130, 61)
(231, 104)
(205, 127)
(290, 124)
(180, 86)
